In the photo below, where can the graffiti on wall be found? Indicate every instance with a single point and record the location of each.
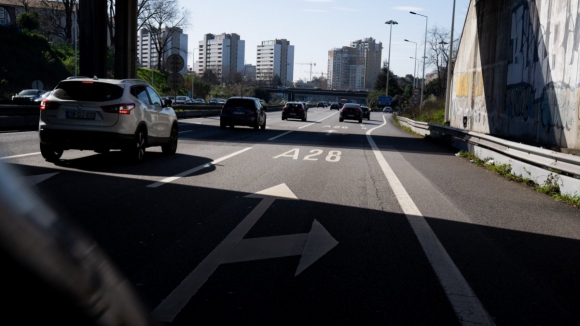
(540, 96)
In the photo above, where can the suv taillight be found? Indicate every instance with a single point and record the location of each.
(284, 108)
(124, 108)
(47, 105)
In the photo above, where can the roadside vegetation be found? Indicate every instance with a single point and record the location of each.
(550, 186)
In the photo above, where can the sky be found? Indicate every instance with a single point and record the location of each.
(316, 26)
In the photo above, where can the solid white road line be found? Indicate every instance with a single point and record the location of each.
(284, 134)
(191, 171)
(183, 132)
(465, 303)
(310, 124)
(21, 155)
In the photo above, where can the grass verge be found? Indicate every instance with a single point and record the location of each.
(550, 187)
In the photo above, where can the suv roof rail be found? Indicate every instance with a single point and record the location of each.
(76, 77)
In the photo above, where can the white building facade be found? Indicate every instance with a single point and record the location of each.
(224, 54)
(275, 58)
(175, 43)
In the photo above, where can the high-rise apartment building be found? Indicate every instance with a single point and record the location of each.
(356, 66)
(223, 54)
(173, 41)
(275, 58)
(249, 72)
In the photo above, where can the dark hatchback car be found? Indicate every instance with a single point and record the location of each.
(294, 110)
(243, 111)
(351, 111)
(334, 106)
(366, 112)
(320, 105)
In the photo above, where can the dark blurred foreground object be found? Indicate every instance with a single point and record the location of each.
(53, 273)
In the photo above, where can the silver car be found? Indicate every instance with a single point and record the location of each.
(104, 114)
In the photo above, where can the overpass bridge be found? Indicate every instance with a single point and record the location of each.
(312, 94)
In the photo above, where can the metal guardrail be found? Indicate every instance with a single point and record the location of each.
(535, 155)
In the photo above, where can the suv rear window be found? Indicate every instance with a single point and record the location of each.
(87, 91)
(239, 103)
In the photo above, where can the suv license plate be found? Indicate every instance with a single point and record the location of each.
(87, 115)
(350, 115)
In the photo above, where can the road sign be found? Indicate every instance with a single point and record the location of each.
(385, 100)
(174, 63)
(175, 81)
(415, 100)
(37, 84)
(416, 91)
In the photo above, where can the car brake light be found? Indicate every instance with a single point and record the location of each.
(124, 108)
(47, 105)
(284, 108)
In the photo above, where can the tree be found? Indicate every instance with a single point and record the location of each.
(261, 94)
(59, 11)
(163, 18)
(276, 81)
(381, 82)
(28, 20)
(210, 77)
(438, 57)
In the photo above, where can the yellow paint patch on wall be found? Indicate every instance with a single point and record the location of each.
(462, 85)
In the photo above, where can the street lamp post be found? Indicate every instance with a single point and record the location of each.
(424, 55)
(390, 22)
(415, 72)
(449, 62)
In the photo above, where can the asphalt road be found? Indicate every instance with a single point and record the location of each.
(318, 222)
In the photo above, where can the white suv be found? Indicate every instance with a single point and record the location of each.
(104, 114)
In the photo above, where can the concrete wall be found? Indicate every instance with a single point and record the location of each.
(517, 74)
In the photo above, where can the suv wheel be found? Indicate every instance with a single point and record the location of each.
(50, 153)
(222, 125)
(136, 152)
(340, 119)
(171, 147)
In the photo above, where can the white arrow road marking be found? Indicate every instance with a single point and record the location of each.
(311, 246)
(330, 131)
(168, 309)
(319, 242)
(191, 171)
(32, 180)
(465, 303)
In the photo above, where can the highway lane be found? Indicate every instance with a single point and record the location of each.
(515, 248)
